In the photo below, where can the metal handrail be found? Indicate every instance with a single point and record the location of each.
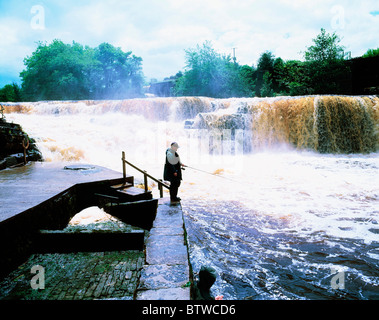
(161, 184)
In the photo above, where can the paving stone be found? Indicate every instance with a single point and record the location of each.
(167, 222)
(172, 231)
(163, 254)
(159, 240)
(167, 265)
(163, 276)
(164, 294)
(168, 217)
(75, 276)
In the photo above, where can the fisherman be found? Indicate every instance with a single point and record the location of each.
(173, 171)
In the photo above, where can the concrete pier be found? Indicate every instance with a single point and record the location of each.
(166, 274)
(25, 187)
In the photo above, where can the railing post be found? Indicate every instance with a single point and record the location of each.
(145, 180)
(123, 165)
(160, 187)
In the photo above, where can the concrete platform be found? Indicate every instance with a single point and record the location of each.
(167, 269)
(25, 187)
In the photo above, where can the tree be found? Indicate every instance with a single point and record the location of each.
(266, 90)
(277, 74)
(202, 65)
(266, 62)
(265, 65)
(325, 64)
(246, 73)
(54, 71)
(210, 74)
(10, 92)
(325, 48)
(293, 78)
(371, 53)
(119, 73)
(60, 71)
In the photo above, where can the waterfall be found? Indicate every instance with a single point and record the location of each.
(326, 124)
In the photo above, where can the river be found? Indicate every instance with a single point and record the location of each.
(276, 221)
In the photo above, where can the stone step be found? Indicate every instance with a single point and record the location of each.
(133, 191)
(122, 185)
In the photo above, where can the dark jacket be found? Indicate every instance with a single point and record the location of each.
(172, 166)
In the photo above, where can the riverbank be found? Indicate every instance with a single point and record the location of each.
(13, 142)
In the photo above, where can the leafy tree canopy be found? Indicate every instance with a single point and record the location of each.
(326, 48)
(209, 73)
(325, 67)
(60, 71)
(10, 92)
(371, 53)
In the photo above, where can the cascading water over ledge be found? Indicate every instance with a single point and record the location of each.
(327, 124)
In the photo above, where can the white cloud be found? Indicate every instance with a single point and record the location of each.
(160, 31)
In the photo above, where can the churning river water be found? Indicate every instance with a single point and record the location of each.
(275, 223)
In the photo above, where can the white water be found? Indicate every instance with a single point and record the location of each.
(329, 198)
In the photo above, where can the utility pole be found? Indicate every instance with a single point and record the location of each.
(234, 55)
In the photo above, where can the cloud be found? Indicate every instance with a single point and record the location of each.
(160, 31)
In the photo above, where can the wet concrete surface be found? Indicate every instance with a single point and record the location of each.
(166, 274)
(24, 187)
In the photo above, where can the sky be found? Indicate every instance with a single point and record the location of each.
(159, 31)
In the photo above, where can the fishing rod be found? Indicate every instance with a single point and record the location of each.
(214, 174)
(235, 181)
